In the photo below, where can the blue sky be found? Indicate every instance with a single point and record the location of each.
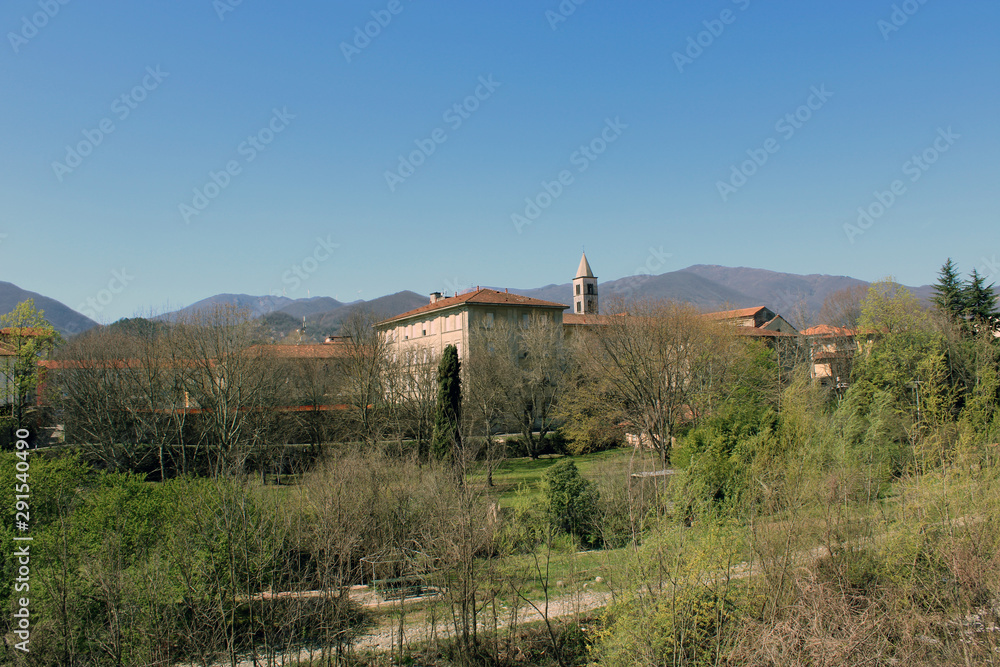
(266, 147)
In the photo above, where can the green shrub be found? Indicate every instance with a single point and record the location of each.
(571, 501)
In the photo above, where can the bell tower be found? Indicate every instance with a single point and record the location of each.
(584, 289)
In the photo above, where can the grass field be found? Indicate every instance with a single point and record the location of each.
(513, 473)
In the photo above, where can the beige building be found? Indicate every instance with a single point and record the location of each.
(452, 320)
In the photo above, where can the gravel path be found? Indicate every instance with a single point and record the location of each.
(417, 628)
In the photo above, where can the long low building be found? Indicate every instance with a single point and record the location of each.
(452, 320)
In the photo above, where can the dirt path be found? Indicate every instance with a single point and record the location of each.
(418, 628)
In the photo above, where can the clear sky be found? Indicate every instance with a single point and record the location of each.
(176, 149)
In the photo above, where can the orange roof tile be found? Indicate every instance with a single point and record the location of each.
(25, 331)
(310, 351)
(733, 314)
(828, 330)
(481, 296)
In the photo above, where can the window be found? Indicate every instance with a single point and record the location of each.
(578, 304)
(578, 290)
(590, 289)
(524, 319)
(489, 320)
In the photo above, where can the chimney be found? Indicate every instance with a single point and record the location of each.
(435, 296)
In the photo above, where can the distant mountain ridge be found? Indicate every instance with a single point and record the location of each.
(64, 319)
(708, 286)
(323, 315)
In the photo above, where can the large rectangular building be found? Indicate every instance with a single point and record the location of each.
(452, 320)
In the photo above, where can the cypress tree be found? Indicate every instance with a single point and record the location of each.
(446, 439)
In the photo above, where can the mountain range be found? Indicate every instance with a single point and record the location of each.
(797, 297)
(65, 320)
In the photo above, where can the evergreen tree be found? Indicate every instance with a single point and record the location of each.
(446, 438)
(949, 291)
(979, 301)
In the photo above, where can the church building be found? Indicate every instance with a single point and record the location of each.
(452, 320)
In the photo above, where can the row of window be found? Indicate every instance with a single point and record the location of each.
(454, 323)
(430, 327)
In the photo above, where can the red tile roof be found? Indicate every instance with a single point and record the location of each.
(483, 296)
(828, 330)
(734, 314)
(310, 351)
(24, 331)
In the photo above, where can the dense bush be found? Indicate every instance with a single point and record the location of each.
(571, 501)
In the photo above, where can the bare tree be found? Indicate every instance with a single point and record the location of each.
(92, 383)
(488, 374)
(364, 371)
(843, 307)
(661, 361)
(411, 389)
(231, 381)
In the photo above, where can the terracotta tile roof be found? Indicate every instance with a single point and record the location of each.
(79, 364)
(482, 296)
(734, 314)
(828, 330)
(310, 351)
(24, 331)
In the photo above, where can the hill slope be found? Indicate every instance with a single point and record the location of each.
(65, 320)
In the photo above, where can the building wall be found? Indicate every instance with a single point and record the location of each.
(432, 332)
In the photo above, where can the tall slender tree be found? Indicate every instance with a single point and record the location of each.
(447, 438)
(949, 291)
